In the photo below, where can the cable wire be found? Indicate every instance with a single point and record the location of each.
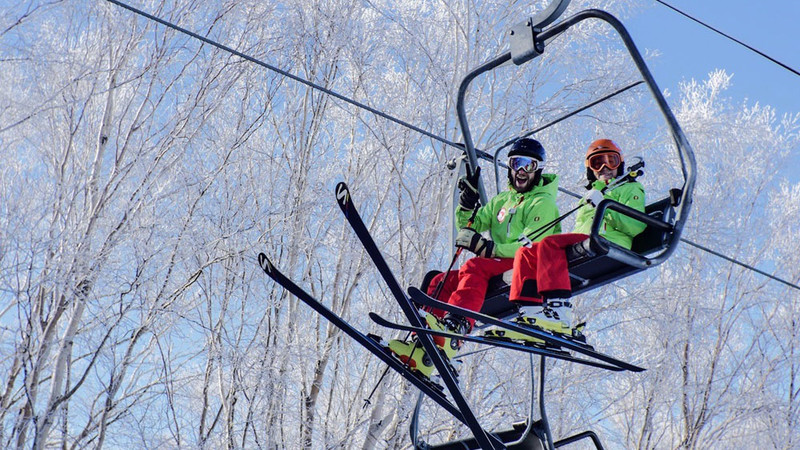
(387, 116)
(746, 266)
(730, 37)
(282, 72)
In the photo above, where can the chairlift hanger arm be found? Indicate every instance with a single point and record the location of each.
(472, 159)
(549, 14)
(685, 153)
(531, 49)
(522, 37)
(545, 17)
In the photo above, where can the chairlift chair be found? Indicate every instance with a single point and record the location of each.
(594, 262)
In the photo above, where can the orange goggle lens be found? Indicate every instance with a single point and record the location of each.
(610, 160)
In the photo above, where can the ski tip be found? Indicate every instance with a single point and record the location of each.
(342, 193)
(418, 295)
(381, 321)
(265, 263)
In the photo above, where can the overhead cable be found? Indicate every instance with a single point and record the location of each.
(730, 37)
(281, 71)
(746, 266)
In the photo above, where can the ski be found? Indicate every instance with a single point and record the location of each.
(430, 388)
(552, 339)
(345, 202)
(494, 342)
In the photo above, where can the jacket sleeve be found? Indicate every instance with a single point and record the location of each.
(631, 195)
(483, 219)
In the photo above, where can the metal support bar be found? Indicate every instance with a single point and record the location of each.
(544, 425)
(413, 429)
(685, 153)
(579, 437)
(520, 435)
(542, 412)
(549, 14)
(472, 160)
(630, 258)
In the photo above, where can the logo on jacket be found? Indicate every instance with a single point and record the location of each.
(501, 216)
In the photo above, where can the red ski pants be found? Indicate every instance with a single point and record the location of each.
(466, 287)
(541, 269)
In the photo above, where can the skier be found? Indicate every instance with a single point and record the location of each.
(527, 205)
(540, 283)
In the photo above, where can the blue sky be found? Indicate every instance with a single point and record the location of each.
(691, 51)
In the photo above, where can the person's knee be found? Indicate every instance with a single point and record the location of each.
(472, 266)
(549, 244)
(522, 255)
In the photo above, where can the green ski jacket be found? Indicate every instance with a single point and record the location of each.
(509, 215)
(617, 228)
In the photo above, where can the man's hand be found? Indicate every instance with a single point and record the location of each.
(469, 190)
(472, 240)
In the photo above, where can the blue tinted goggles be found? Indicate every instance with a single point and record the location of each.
(525, 163)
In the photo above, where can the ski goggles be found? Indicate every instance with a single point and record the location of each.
(529, 165)
(610, 160)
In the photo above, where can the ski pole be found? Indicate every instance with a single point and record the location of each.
(436, 295)
(533, 235)
(366, 400)
(440, 286)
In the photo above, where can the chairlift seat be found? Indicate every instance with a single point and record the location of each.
(595, 261)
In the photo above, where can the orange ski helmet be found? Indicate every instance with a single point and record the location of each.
(603, 152)
(601, 146)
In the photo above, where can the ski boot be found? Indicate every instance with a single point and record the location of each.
(412, 353)
(555, 316)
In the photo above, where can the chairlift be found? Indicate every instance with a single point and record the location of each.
(594, 262)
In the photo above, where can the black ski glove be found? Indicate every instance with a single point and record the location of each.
(469, 190)
(473, 241)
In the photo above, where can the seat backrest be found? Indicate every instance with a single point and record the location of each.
(651, 240)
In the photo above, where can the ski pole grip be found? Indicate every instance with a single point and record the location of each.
(638, 165)
(474, 213)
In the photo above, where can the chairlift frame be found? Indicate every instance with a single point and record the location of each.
(521, 53)
(596, 261)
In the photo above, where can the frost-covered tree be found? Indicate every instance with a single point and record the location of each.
(145, 169)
